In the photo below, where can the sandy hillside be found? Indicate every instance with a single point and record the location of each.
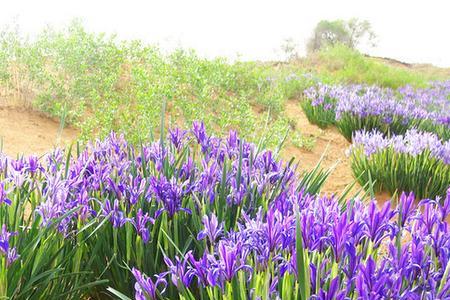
(28, 132)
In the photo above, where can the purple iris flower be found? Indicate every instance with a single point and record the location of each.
(187, 170)
(117, 188)
(135, 189)
(212, 228)
(11, 256)
(232, 144)
(351, 268)
(237, 192)
(4, 195)
(198, 129)
(199, 132)
(116, 216)
(140, 223)
(333, 292)
(5, 249)
(145, 288)
(178, 270)
(33, 165)
(230, 260)
(339, 236)
(202, 269)
(406, 207)
(177, 137)
(82, 201)
(377, 222)
(209, 178)
(170, 194)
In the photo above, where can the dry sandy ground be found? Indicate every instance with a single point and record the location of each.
(27, 132)
(329, 143)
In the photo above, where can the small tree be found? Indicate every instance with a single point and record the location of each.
(289, 48)
(360, 31)
(351, 33)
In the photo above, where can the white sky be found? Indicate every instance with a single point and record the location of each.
(413, 31)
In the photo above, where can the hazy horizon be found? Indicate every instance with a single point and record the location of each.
(409, 31)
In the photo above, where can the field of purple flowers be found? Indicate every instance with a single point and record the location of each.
(191, 215)
(356, 107)
(194, 216)
(401, 138)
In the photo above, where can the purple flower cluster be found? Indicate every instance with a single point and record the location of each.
(407, 105)
(433, 99)
(358, 252)
(413, 143)
(5, 248)
(243, 206)
(111, 179)
(14, 174)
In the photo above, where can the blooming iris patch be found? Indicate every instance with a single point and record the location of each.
(205, 217)
(357, 107)
(361, 257)
(416, 161)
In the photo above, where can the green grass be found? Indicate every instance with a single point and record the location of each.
(341, 64)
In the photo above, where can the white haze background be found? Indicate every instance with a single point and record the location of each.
(412, 31)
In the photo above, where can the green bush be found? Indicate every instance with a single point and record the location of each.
(99, 84)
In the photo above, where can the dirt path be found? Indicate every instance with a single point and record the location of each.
(28, 132)
(328, 141)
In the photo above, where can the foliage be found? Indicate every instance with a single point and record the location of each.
(344, 65)
(349, 33)
(36, 261)
(301, 141)
(99, 84)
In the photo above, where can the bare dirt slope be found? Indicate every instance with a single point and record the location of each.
(28, 132)
(328, 142)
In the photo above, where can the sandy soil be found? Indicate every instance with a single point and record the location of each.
(28, 132)
(329, 143)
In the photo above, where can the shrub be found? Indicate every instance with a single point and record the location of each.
(99, 84)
